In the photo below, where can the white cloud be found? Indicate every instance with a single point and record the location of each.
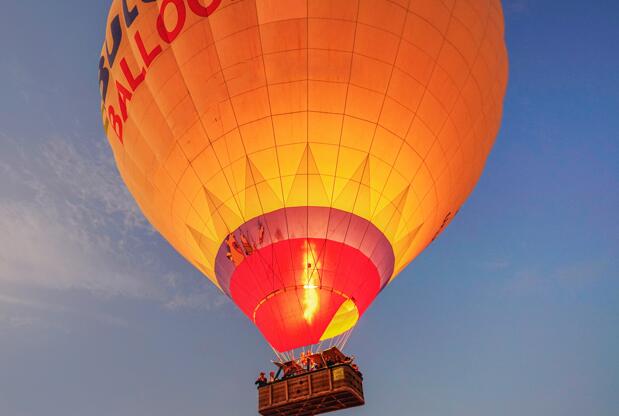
(68, 223)
(22, 312)
(17, 321)
(194, 301)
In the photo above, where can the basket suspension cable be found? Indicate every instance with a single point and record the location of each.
(338, 341)
(344, 338)
(277, 354)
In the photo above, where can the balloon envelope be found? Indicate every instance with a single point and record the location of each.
(302, 153)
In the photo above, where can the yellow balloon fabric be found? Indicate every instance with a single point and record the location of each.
(222, 111)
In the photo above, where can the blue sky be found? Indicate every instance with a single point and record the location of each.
(513, 310)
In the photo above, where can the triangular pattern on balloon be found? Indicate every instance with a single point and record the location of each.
(207, 246)
(355, 195)
(388, 219)
(404, 244)
(259, 190)
(224, 218)
(307, 186)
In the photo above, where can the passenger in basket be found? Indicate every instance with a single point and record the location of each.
(261, 381)
(356, 368)
(305, 360)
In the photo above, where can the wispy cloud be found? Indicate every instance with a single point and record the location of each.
(20, 312)
(204, 301)
(68, 223)
(17, 321)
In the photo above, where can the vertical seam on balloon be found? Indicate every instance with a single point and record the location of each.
(189, 162)
(307, 148)
(468, 76)
(276, 147)
(156, 103)
(374, 135)
(367, 159)
(421, 199)
(450, 111)
(248, 160)
(372, 215)
(277, 156)
(352, 51)
(208, 138)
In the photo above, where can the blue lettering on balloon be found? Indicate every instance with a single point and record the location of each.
(104, 78)
(117, 36)
(130, 15)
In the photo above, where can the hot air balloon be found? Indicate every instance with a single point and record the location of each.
(300, 153)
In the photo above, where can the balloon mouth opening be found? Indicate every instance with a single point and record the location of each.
(333, 314)
(302, 306)
(302, 275)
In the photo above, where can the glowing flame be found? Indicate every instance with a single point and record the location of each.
(311, 282)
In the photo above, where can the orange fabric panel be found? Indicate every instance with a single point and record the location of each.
(218, 111)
